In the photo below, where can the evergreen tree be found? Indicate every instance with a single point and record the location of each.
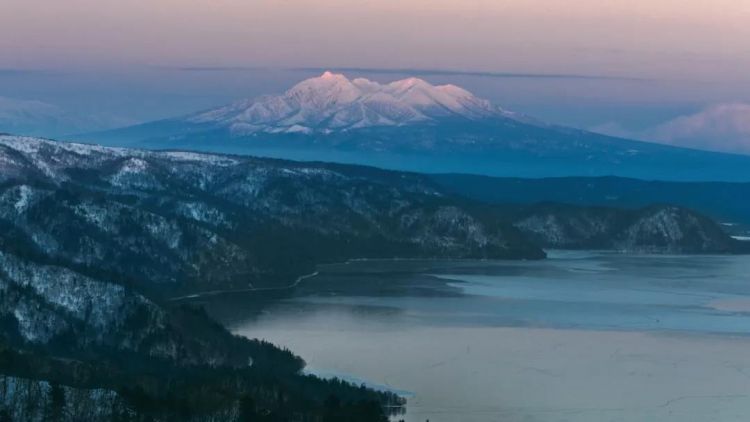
(5, 416)
(247, 409)
(56, 404)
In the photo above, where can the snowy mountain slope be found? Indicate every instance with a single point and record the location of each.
(415, 126)
(190, 218)
(189, 221)
(73, 311)
(332, 102)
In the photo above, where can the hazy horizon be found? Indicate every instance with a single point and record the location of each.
(624, 68)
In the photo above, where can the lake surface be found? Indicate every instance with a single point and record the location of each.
(582, 336)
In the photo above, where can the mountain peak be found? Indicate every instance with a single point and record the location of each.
(409, 83)
(323, 92)
(332, 102)
(330, 75)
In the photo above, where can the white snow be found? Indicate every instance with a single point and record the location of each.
(24, 194)
(333, 102)
(299, 129)
(134, 165)
(80, 296)
(93, 214)
(214, 159)
(48, 154)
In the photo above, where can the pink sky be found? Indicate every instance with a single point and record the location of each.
(682, 59)
(698, 39)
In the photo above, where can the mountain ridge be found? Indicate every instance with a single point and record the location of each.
(728, 203)
(332, 102)
(412, 125)
(211, 199)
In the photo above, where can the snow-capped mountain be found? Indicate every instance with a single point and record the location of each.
(413, 125)
(332, 102)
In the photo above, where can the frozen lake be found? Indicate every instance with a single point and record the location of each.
(583, 336)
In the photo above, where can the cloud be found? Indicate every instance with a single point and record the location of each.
(444, 72)
(4, 71)
(411, 71)
(30, 117)
(721, 127)
(16, 112)
(214, 68)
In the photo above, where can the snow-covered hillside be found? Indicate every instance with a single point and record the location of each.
(332, 102)
(192, 221)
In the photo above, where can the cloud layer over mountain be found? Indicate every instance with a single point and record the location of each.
(721, 127)
(39, 118)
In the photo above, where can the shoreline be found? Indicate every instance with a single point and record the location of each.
(199, 295)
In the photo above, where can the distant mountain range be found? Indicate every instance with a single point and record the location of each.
(413, 125)
(333, 103)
